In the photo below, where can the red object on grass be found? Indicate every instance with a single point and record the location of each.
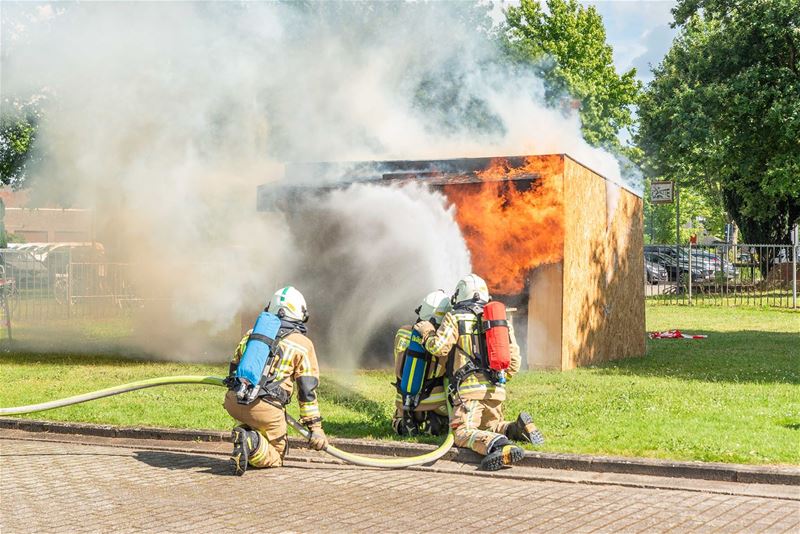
(674, 334)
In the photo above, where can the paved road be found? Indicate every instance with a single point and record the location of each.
(69, 487)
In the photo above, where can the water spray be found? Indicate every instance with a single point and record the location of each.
(345, 456)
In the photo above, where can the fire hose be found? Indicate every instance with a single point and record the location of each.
(348, 457)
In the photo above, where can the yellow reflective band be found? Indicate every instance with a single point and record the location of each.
(413, 366)
(309, 409)
(481, 385)
(259, 455)
(437, 369)
(434, 399)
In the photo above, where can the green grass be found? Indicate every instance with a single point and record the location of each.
(734, 397)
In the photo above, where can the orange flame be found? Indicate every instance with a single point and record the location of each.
(511, 222)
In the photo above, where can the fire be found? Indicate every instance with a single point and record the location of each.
(512, 221)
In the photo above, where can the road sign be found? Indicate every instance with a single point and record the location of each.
(662, 192)
(729, 232)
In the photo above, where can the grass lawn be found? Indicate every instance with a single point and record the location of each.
(734, 397)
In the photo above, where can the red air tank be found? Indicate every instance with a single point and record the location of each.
(495, 327)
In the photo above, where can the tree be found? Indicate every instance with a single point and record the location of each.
(566, 44)
(723, 111)
(18, 128)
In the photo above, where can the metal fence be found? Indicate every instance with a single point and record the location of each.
(40, 287)
(756, 275)
(33, 288)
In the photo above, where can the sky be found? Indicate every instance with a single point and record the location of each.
(638, 31)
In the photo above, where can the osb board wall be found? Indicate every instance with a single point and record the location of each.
(603, 300)
(543, 349)
(624, 335)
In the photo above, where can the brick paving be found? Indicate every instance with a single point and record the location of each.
(69, 487)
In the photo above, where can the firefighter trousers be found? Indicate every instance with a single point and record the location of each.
(476, 423)
(269, 421)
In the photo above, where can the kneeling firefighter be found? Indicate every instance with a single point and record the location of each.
(420, 400)
(486, 354)
(273, 357)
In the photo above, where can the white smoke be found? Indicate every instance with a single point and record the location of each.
(368, 255)
(166, 116)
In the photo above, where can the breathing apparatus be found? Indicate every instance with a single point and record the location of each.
(490, 336)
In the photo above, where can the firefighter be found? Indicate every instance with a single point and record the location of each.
(426, 414)
(477, 420)
(260, 439)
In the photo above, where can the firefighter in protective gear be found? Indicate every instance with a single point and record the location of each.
(260, 440)
(477, 420)
(429, 416)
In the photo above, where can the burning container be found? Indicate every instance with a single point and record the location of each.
(552, 238)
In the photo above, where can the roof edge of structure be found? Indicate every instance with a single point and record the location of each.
(624, 186)
(335, 174)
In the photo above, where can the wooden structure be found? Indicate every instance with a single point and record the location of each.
(551, 237)
(602, 285)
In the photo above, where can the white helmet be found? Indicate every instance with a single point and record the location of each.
(434, 306)
(471, 287)
(290, 303)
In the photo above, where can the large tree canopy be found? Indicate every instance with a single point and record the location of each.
(18, 128)
(566, 43)
(724, 110)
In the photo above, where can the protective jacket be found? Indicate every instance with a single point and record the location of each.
(456, 332)
(435, 400)
(295, 362)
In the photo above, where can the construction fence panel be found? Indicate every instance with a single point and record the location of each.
(36, 290)
(724, 275)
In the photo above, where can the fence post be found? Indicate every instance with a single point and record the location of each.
(69, 284)
(794, 266)
(690, 272)
(677, 243)
(5, 297)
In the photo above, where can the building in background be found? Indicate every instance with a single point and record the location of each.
(45, 225)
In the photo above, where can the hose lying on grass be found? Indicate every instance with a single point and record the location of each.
(348, 457)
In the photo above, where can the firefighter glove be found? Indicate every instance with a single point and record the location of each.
(317, 439)
(425, 329)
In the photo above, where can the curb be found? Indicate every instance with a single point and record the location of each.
(746, 474)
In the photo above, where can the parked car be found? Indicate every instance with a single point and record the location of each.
(654, 272)
(676, 269)
(23, 267)
(784, 255)
(714, 263)
(708, 264)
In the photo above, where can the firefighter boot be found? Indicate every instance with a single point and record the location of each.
(501, 453)
(245, 443)
(438, 425)
(523, 429)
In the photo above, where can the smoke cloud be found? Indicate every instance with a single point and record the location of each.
(374, 252)
(164, 117)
